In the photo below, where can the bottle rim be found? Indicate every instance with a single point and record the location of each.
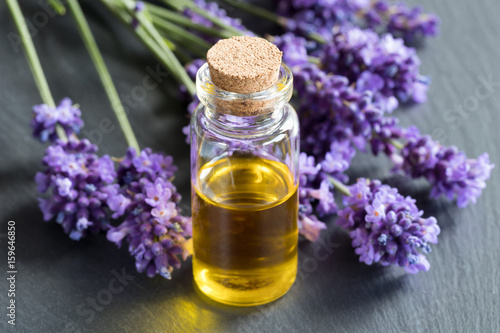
(238, 104)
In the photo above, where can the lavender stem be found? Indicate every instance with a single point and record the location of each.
(103, 72)
(34, 61)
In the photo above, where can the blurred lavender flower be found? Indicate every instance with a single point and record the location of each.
(316, 191)
(309, 225)
(331, 111)
(191, 69)
(153, 226)
(449, 170)
(294, 48)
(214, 10)
(46, 118)
(386, 227)
(78, 182)
(139, 7)
(400, 20)
(306, 16)
(382, 65)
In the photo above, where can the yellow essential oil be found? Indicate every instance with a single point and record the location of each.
(244, 171)
(244, 230)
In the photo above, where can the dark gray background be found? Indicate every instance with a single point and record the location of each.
(337, 294)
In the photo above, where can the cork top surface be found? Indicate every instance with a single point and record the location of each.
(244, 64)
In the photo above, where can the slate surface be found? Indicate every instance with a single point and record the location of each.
(58, 278)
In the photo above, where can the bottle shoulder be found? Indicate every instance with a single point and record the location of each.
(282, 120)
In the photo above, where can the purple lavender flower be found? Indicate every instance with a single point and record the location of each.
(324, 195)
(78, 183)
(449, 170)
(294, 48)
(386, 227)
(153, 226)
(191, 69)
(139, 7)
(47, 118)
(306, 16)
(338, 158)
(331, 112)
(384, 131)
(214, 10)
(309, 225)
(157, 194)
(419, 154)
(410, 24)
(382, 65)
(118, 203)
(316, 193)
(191, 108)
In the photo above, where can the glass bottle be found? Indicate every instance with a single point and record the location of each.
(244, 174)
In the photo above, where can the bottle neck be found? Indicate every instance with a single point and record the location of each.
(253, 108)
(253, 126)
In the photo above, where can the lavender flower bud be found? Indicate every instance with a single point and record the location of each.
(145, 200)
(69, 166)
(384, 241)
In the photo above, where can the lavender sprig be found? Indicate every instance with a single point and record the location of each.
(213, 9)
(449, 170)
(78, 182)
(46, 118)
(316, 190)
(153, 226)
(386, 227)
(305, 17)
(411, 24)
(309, 224)
(74, 176)
(138, 8)
(383, 65)
(333, 111)
(294, 48)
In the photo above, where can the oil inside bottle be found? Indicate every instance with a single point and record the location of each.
(245, 230)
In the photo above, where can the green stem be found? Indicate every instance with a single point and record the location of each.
(317, 37)
(314, 60)
(181, 34)
(180, 5)
(34, 61)
(174, 17)
(340, 186)
(396, 144)
(183, 44)
(179, 53)
(255, 10)
(57, 6)
(268, 15)
(154, 41)
(104, 75)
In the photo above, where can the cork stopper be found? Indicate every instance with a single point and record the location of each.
(244, 64)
